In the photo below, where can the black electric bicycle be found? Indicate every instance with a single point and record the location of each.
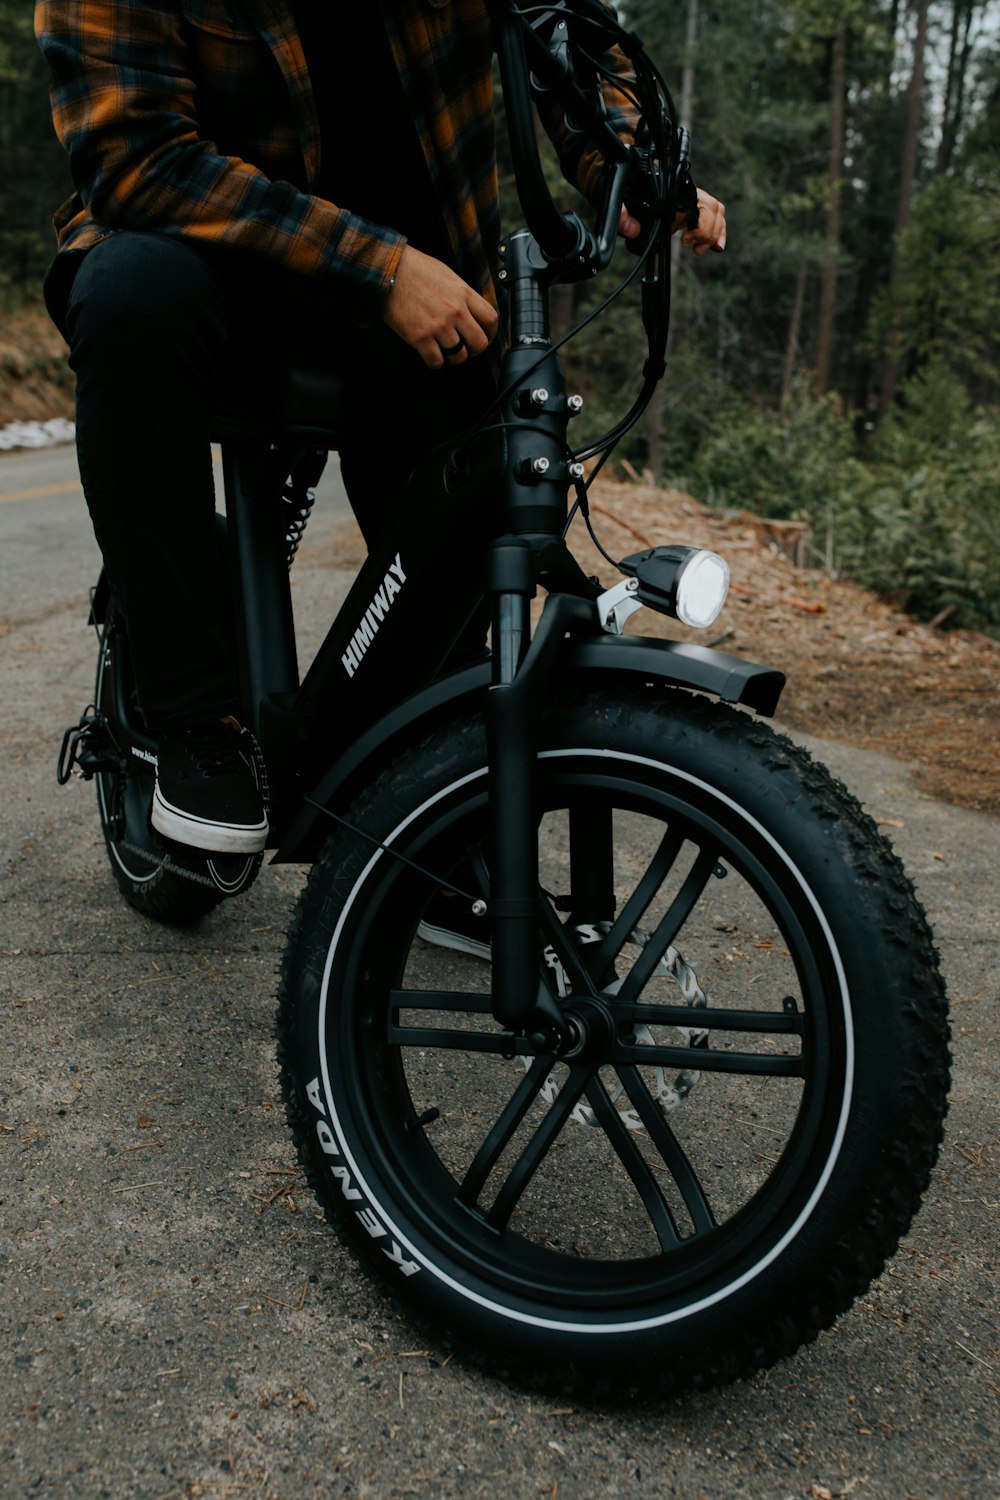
(681, 1116)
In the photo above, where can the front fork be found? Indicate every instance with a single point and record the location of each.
(523, 676)
(536, 479)
(511, 718)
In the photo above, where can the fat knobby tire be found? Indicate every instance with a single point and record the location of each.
(804, 1179)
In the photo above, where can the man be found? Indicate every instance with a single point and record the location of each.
(249, 174)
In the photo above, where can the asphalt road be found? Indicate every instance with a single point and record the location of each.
(174, 1319)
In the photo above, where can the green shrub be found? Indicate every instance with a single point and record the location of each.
(935, 500)
(795, 465)
(918, 520)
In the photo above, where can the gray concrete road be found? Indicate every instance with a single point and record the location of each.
(175, 1320)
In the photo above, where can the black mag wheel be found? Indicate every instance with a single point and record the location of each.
(149, 882)
(744, 1129)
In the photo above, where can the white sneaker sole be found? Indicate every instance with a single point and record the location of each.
(442, 937)
(203, 833)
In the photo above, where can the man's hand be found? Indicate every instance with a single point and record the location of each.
(628, 224)
(436, 313)
(709, 235)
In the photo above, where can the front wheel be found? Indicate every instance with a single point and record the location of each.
(749, 1114)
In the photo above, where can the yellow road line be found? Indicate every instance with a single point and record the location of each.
(67, 487)
(41, 490)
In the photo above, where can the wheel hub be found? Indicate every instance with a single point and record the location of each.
(591, 1030)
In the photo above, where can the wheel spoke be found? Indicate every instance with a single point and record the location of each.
(670, 1150)
(481, 870)
(449, 1039)
(749, 1023)
(496, 1142)
(632, 912)
(784, 1022)
(635, 1164)
(436, 1038)
(706, 1060)
(670, 924)
(560, 940)
(445, 1000)
(538, 1147)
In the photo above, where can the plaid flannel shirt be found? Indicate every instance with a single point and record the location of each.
(196, 118)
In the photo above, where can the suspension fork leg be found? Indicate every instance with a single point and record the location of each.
(513, 824)
(591, 862)
(592, 887)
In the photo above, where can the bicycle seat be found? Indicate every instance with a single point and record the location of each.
(289, 401)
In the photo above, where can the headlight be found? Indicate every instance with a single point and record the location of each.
(686, 582)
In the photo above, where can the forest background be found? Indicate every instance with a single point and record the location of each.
(839, 364)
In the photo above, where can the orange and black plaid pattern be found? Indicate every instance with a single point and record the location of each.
(196, 118)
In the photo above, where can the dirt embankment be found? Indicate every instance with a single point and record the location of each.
(35, 381)
(858, 670)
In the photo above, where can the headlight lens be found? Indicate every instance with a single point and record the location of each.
(702, 586)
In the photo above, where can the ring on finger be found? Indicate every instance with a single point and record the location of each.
(455, 349)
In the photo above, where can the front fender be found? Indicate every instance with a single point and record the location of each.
(681, 665)
(673, 663)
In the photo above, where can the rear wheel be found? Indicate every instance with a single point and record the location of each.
(746, 1121)
(148, 877)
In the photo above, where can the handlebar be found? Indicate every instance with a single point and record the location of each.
(547, 57)
(560, 51)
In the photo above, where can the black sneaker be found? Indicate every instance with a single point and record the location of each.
(450, 922)
(207, 792)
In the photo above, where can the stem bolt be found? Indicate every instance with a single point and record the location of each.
(539, 465)
(539, 396)
(479, 908)
(576, 471)
(574, 404)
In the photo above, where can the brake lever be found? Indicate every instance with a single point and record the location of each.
(645, 199)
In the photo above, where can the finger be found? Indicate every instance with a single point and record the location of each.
(430, 352)
(716, 240)
(485, 314)
(452, 347)
(628, 225)
(475, 336)
(475, 339)
(705, 238)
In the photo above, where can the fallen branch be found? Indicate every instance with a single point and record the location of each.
(610, 515)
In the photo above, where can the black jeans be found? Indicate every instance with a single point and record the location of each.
(156, 327)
